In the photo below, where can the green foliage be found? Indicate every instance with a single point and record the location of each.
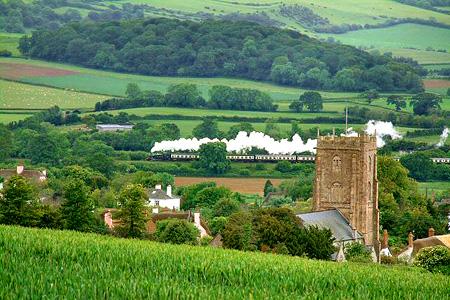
(6, 143)
(213, 157)
(279, 201)
(217, 224)
(133, 91)
(268, 187)
(225, 207)
(312, 101)
(357, 252)
(434, 259)
(18, 202)
(189, 194)
(235, 129)
(210, 196)
(300, 187)
(208, 129)
(283, 166)
(77, 208)
(132, 211)
(176, 231)
(396, 100)
(370, 95)
(224, 97)
(426, 103)
(184, 95)
(296, 105)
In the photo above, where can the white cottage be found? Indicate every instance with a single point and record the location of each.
(164, 199)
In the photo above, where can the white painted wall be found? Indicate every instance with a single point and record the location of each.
(167, 203)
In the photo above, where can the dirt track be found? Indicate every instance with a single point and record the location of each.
(242, 185)
(16, 71)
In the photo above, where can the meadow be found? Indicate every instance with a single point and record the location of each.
(434, 186)
(10, 41)
(40, 263)
(14, 95)
(114, 84)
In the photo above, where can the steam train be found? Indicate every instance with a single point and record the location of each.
(256, 158)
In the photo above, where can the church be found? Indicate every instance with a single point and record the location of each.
(345, 198)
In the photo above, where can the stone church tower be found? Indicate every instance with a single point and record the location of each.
(346, 179)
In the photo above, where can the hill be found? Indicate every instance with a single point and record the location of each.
(59, 264)
(166, 47)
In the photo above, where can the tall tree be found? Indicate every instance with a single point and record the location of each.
(213, 157)
(6, 142)
(208, 128)
(312, 100)
(17, 202)
(133, 91)
(396, 100)
(426, 103)
(132, 211)
(77, 209)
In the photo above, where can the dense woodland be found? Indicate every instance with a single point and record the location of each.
(222, 48)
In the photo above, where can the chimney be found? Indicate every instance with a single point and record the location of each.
(169, 190)
(410, 240)
(430, 232)
(197, 218)
(157, 187)
(20, 169)
(385, 239)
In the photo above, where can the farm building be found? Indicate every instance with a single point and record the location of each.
(113, 127)
(34, 175)
(164, 199)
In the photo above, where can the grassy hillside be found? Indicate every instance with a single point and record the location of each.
(55, 264)
(111, 83)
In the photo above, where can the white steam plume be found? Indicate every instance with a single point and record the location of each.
(244, 141)
(444, 137)
(241, 143)
(382, 129)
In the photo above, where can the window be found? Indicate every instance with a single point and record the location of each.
(156, 202)
(336, 193)
(336, 164)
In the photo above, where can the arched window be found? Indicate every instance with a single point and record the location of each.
(336, 193)
(336, 164)
(370, 164)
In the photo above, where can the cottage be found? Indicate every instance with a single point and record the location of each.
(164, 199)
(34, 175)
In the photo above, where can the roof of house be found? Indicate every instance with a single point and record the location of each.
(333, 220)
(30, 174)
(443, 240)
(161, 195)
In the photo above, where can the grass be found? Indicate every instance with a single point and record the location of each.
(434, 186)
(111, 83)
(10, 41)
(8, 118)
(25, 96)
(38, 263)
(422, 56)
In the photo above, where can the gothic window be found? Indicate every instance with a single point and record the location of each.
(336, 164)
(370, 192)
(336, 193)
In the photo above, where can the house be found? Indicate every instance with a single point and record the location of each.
(164, 199)
(34, 175)
(113, 127)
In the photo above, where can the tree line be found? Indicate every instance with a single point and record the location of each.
(188, 95)
(221, 48)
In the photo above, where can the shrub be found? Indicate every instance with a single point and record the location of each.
(205, 241)
(176, 231)
(434, 259)
(5, 53)
(261, 166)
(244, 172)
(357, 252)
(217, 224)
(283, 166)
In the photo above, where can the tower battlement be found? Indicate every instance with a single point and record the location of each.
(352, 141)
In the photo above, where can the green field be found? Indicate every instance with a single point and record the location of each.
(434, 186)
(10, 41)
(51, 264)
(14, 95)
(110, 83)
(7, 117)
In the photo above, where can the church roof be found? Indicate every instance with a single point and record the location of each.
(333, 220)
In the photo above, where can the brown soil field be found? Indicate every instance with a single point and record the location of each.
(241, 185)
(17, 71)
(436, 83)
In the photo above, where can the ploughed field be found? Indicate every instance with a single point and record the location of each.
(38, 263)
(241, 185)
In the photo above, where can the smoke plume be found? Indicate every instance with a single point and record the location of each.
(244, 141)
(444, 137)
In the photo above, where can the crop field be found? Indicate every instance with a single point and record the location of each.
(14, 95)
(434, 186)
(40, 263)
(10, 41)
(110, 83)
(242, 185)
(7, 117)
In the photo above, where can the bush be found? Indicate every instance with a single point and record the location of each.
(283, 166)
(5, 53)
(244, 172)
(217, 224)
(205, 241)
(434, 259)
(176, 231)
(357, 252)
(260, 167)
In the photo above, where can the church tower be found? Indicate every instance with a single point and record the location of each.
(346, 179)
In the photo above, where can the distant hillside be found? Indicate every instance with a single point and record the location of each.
(52, 264)
(222, 48)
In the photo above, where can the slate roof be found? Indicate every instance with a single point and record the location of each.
(160, 195)
(333, 220)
